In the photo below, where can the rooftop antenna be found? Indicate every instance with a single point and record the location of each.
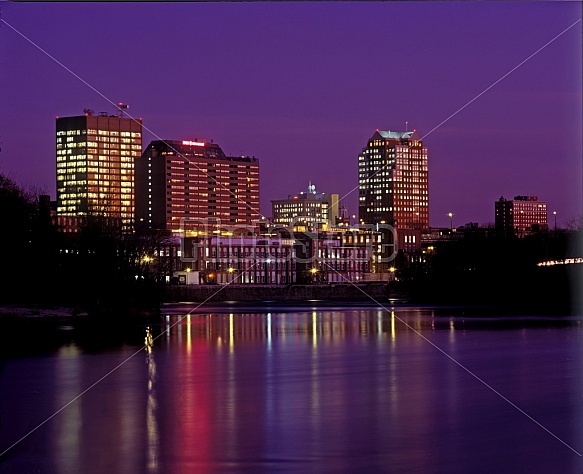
(406, 126)
(122, 107)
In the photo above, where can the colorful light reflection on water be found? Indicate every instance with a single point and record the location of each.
(303, 390)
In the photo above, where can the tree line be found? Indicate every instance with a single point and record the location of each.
(98, 269)
(488, 269)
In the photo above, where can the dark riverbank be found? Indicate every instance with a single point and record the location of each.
(368, 292)
(540, 291)
(37, 329)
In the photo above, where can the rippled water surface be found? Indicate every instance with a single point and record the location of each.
(300, 389)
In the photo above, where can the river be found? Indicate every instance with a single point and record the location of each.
(310, 388)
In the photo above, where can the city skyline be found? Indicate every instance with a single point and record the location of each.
(301, 87)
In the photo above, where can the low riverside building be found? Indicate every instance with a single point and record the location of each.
(240, 259)
(283, 259)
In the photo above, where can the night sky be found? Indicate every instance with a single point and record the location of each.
(302, 86)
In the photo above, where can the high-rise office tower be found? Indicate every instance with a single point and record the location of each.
(95, 166)
(192, 184)
(393, 181)
(393, 186)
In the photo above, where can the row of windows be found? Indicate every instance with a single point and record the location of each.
(302, 205)
(92, 131)
(396, 208)
(113, 133)
(192, 170)
(104, 153)
(106, 139)
(67, 175)
(69, 164)
(109, 155)
(111, 151)
(70, 132)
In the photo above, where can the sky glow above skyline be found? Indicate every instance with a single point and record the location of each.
(303, 86)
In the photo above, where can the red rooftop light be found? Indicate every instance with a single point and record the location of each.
(191, 143)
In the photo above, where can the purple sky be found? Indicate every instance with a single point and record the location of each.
(302, 86)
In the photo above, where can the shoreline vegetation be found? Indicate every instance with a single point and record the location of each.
(545, 291)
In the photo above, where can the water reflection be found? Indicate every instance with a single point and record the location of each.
(151, 418)
(322, 327)
(311, 390)
(67, 377)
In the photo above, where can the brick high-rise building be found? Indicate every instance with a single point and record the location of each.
(95, 166)
(182, 185)
(393, 185)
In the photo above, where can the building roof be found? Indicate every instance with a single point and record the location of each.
(396, 135)
(194, 148)
(311, 195)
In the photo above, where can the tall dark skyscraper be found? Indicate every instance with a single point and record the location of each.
(194, 182)
(95, 166)
(393, 181)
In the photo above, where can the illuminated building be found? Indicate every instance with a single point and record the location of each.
(311, 209)
(95, 166)
(188, 184)
(276, 260)
(520, 216)
(393, 185)
(240, 259)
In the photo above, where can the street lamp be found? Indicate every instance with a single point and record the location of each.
(313, 271)
(555, 214)
(146, 260)
(450, 215)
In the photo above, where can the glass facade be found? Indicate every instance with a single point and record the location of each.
(95, 166)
